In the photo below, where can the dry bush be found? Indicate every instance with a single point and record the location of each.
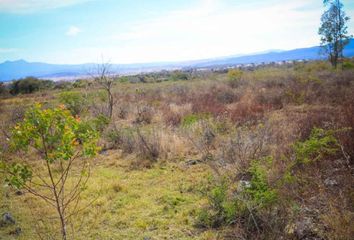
(172, 118)
(208, 103)
(347, 137)
(339, 223)
(247, 110)
(272, 98)
(173, 113)
(318, 117)
(122, 111)
(148, 145)
(144, 114)
(178, 94)
(122, 138)
(10, 115)
(237, 151)
(225, 95)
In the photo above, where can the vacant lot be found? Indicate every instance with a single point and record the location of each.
(261, 153)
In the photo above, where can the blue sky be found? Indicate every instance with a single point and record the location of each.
(131, 31)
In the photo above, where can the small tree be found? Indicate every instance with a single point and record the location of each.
(3, 89)
(60, 142)
(103, 76)
(334, 31)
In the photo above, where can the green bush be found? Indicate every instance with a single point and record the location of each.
(260, 192)
(319, 144)
(227, 203)
(191, 119)
(235, 77)
(178, 75)
(74, 102)
(221, 209)
(348, 64)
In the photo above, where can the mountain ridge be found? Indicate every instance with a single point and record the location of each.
(10, 70)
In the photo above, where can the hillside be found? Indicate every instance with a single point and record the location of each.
(264, 153)
(18, 69)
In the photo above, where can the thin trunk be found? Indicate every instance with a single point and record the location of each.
(110, 104)
(56, 195)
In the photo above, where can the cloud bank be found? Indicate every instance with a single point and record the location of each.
(73, 31)
(29, 6)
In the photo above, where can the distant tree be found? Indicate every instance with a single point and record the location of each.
(334, 31)
(103, 76)
(3, 89)
(179, 75)
(63, 85)
(62, 144)
(29, 85)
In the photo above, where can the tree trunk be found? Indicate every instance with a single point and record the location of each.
(110, 104)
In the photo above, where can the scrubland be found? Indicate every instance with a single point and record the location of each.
(260, 153)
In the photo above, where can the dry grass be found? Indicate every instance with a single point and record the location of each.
(139, 193)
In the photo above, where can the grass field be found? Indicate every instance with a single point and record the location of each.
(175, 154)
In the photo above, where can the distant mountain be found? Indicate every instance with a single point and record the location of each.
(312, 53)
(10, 70)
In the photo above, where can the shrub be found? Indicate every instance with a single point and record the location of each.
(243, 146)
(99, 123)
(260, 192)
(178, 75)
(75, 102)
(123, 111)
(235, 77)
(319, 144)
(144, 115)
(3, 89)
(172, 118)
(148, 145)
(272, 99)
(226, 96)
(122, 138)
(347, 138)
(81, 83)
(247, 112)
(207, 103)
(63, 85)
(221, 209)
(347, 64)
(29, 85)
(249, 204)
(191, 119)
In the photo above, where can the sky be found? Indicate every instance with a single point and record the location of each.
(140, 31)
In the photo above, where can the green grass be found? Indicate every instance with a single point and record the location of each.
(160, 203)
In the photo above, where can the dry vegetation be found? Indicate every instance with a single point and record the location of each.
(261, 153)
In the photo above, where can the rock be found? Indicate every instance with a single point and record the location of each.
(243, 184)
(193, 162)
(16, 232)
(330, 182)
(303, 228)
(8, 219)
(19, 193)
(147, 238)
(104, 152)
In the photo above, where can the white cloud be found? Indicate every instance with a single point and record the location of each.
(28, 6)
(211, 29)
(8, 50)
(73, 31)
